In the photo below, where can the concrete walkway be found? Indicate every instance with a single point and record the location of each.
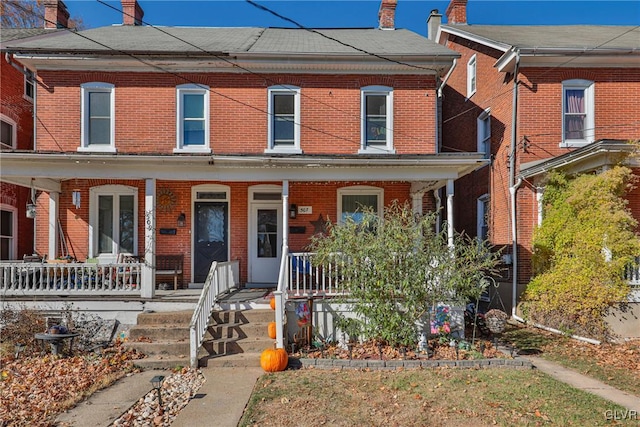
(588, 384)
(222, 398)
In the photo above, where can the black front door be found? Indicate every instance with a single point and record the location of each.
(211, 237)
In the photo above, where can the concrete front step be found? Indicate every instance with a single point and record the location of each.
(237, 330)
(159, 332)
(243, 316)
(165, 318)
(233, 346)
(243, 360)
(164, 348)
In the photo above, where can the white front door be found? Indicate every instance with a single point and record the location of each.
(265, 242)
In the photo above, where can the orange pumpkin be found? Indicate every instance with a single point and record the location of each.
(274, 360)
(271, 329)
(272, 303)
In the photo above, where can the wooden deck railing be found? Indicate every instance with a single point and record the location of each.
(306, 280)
(47, 278)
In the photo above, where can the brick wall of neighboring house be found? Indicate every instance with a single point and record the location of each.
(18, 109)
(329, 103)
(321, 196)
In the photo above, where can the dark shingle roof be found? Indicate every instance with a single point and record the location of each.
(237, 40)
(557, 36)
(9, 34)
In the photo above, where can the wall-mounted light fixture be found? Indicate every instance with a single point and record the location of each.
(182, 219)
(31, 210)
(75, 198)
(293, 211)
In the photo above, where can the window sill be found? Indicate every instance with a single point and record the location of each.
(192, 150)
(97, 149)
(576, 143)
(283, 150)
(376, 150)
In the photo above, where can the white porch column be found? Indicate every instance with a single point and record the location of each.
(54, 202)
(539, 202)
(450, 212)
(285, 214)
(148, 286)
(416, 202)
(436, 195)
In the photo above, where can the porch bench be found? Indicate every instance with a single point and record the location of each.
(170, 266)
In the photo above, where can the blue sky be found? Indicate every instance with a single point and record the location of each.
(410, 14)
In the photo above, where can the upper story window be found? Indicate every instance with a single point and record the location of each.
(377, 119)
(352, 200)
(29, 84)
(578, 112)
(192, 118)
(471, 76)
(98, 117)
(8, 132)
(484, 133)
(284, 119)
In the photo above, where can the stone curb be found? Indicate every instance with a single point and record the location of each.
(301, 363)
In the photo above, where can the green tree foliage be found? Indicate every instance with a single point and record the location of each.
(394, 269)
(580, 251)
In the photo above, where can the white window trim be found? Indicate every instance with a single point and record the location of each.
(14, 132)
(110, 190)
(13, 249)
(361, 190)
(284, 90)
(31, 82)
(484, 145)
(472, 76)
(376, 90)
(86, 89)
(481, 215)
(194, 89)
(589, 99)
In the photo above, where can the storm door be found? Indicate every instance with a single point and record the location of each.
(211, 239)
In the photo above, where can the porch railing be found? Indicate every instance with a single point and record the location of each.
(222, 277)
(305, 279)
(632, 274)
(46, 278)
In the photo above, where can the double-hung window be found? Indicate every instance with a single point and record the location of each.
(284, 119)
(377, 119)
(471, 76)
(484, 133)
(578, 112)
(113, 221)
(352, 201)
(192, 118)
(7, 132)
(98, 117)
(29, 85)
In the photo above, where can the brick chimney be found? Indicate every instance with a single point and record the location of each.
(56, 14)
(457, 12)
(387, 15)
(132, 13)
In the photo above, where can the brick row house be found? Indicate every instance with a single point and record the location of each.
(533, 99)
(221, 143)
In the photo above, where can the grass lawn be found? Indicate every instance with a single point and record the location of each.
(617, 365)
(442, 397)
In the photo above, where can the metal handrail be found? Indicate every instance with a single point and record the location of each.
(222, 277)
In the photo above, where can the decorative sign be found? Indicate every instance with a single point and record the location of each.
(304, 210)
(297, 229)
(169, 231)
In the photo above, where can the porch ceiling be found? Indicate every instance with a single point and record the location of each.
(21, 167)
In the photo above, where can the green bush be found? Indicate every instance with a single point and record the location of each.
(580, 251)
(397, 268)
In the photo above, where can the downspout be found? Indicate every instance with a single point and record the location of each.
(513, 188)
(439, 105)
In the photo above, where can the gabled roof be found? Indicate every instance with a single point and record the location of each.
(587, 43)
(182, 40)
(348, 48)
